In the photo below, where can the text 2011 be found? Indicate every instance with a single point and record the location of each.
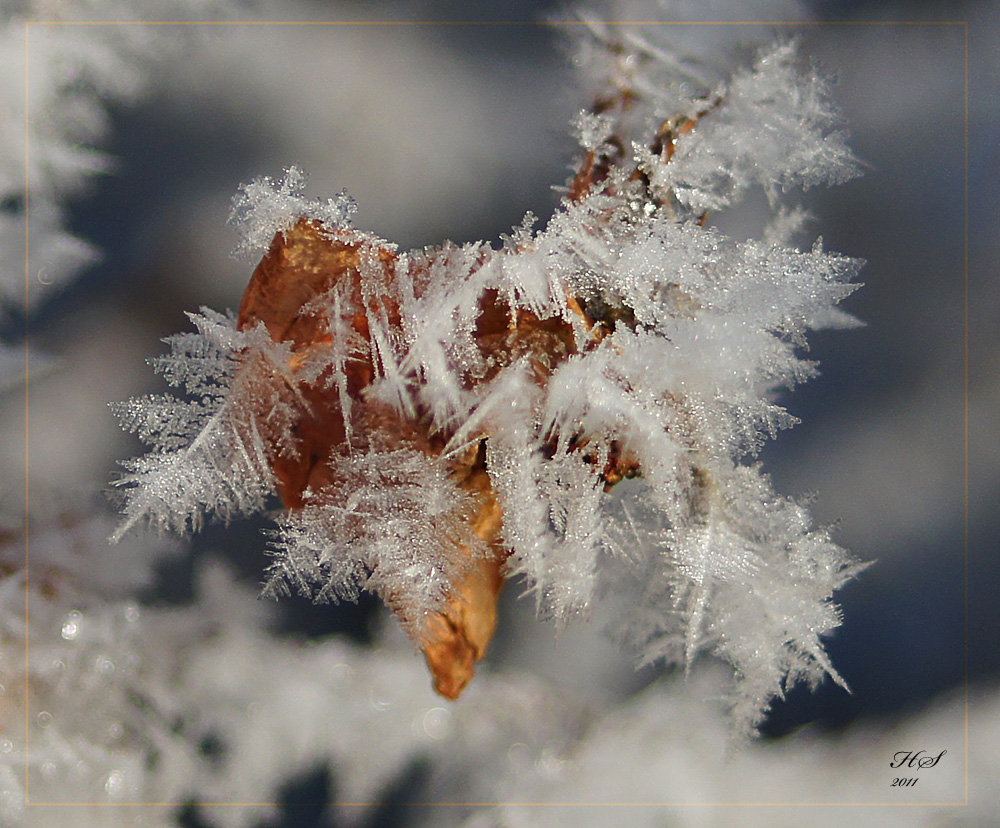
(912, 759)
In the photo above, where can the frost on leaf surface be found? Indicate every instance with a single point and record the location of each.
(263, 207)
(391, 525)
(439, 421)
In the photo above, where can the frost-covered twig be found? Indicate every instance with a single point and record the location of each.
(439, 421)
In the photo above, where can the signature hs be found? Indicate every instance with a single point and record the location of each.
(915, 759)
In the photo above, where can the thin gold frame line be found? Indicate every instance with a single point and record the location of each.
(473, 804)
(27, 442)
(495, 23)
(965, 255)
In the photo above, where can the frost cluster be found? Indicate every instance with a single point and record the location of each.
(263, 207)
(395, 530)
(636, 341)
(211, 452)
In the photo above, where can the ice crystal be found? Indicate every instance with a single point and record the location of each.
(211, 451)
(263, 207)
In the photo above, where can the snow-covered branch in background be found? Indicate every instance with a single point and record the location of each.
(437, 422)
(58, 82)
(124, 703)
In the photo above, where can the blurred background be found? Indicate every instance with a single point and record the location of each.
(454, 131)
